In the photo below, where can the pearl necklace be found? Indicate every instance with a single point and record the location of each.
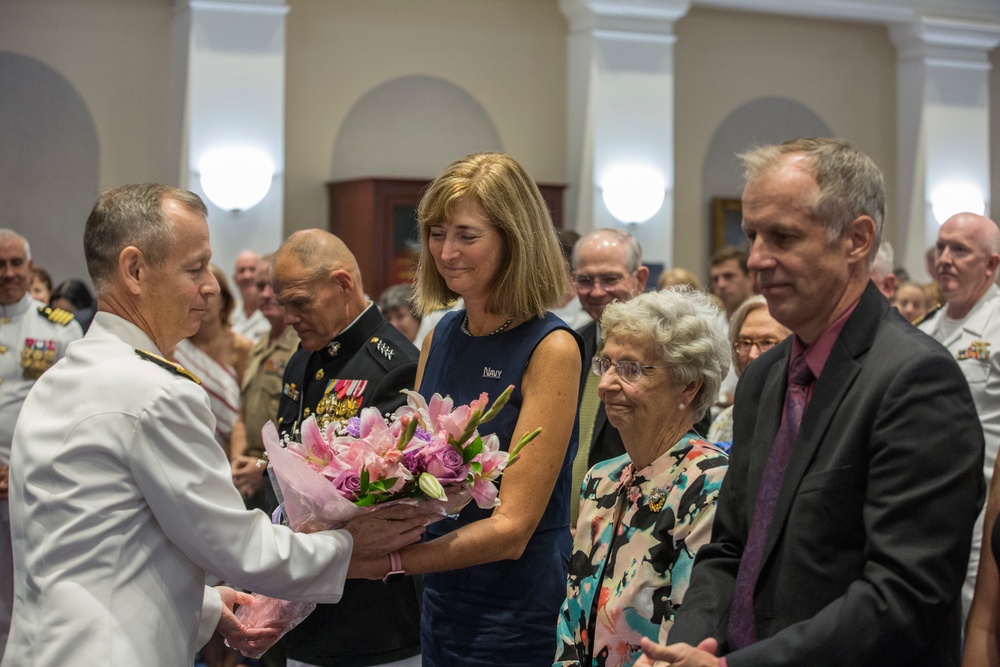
(465, 326)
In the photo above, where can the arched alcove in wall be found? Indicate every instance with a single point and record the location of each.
(48, 163)
(411, 127)
(765, 120)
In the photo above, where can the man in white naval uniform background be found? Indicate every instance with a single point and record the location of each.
(121, 498)
(967, 254)
(32, 338)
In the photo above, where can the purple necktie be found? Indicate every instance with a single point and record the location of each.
(742, 630)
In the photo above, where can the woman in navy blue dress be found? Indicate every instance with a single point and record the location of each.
(497, 578)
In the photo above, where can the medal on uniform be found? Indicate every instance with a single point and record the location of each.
(37, 356)
(341, 400)
(978, 349)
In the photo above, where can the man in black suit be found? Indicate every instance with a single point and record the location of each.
(850, 549)
(607, 266)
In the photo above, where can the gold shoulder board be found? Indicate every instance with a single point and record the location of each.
(57, 315)
(169, 365)
(929, 313)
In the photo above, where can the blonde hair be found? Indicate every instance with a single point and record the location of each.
(532, 276)
(678, 276)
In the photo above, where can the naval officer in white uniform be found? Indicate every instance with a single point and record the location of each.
(967, 256)
(122, 500)
(32, 338)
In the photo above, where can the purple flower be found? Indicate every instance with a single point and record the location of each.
(445, 462)
(349, 484)
(411, 461)
(354, 426)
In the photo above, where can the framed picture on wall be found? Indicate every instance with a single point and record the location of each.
(727, 221)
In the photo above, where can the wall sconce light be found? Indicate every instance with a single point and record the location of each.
(633, 193)
(236, 178)
(951, 198)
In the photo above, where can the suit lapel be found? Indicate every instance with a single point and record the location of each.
(839, 373)
(766, 428)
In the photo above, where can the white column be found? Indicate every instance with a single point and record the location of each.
(230, 68)
(621, 108)
(942, 134)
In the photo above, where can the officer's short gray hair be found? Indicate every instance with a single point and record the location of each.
(11, 235)
(132, 215)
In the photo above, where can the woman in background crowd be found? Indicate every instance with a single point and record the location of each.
(396, 304)
(486, 236)
(911, 301)
(678, 276)
(217, 355)
(41, 284)
(982, 629)
(752, 333)
(645, 515)
(74, 295)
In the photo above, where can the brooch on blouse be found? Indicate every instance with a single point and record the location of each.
(656, 500)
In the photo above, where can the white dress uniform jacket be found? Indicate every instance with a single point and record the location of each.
(23, 327)
(971, 344)
(122, 501)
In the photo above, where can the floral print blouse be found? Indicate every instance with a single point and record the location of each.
(626, 583)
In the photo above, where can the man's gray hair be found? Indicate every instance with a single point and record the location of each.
(633, 251)
(132, 215)
(850, 183)
(883, 264)
(11, 235)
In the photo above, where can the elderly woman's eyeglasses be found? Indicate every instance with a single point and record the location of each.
(744, 345)
(627, 370)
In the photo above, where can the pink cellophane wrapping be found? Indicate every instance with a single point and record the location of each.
(312, 503)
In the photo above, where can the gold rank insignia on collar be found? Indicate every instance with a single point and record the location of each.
(169, 365)
(57, 315)
(383, 347)
(333, 348)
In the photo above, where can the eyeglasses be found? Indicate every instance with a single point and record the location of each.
(744, 345)
(627, 370)
(587, 282)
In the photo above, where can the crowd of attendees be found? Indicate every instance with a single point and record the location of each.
(646, 412)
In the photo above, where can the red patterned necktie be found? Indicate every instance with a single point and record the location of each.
(742, 629)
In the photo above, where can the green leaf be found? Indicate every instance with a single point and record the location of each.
(364, 481)
(472, 450)
(365, 501)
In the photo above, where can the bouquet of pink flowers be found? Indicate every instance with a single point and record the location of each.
(427, 453)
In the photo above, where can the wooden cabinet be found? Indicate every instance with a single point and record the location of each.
(377, 219)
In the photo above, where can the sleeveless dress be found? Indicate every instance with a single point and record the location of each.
(503, 612)
(219, 381)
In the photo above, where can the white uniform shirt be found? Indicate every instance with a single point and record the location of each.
(122, 501)
(970, 342)
(252, 327)
(23, 327)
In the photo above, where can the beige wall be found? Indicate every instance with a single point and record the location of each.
(115, 53)
(843, 72)
(510, 55)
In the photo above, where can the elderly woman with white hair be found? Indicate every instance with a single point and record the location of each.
(644, 515)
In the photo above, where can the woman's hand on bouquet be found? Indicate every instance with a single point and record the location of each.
(244, 639)
(383, 531)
